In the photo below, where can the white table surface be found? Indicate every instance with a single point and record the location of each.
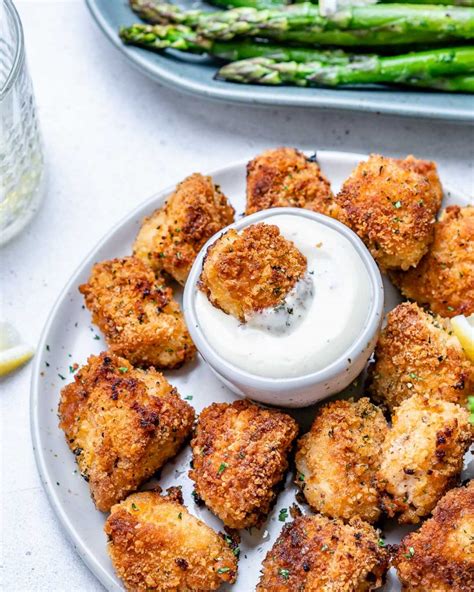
(112, 139)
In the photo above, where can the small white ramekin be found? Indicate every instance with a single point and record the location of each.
(299, 391)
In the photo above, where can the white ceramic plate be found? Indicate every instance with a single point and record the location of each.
(69, 337)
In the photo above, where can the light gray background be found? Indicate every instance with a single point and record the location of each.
(112, 139)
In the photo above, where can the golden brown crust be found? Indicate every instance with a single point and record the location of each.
(172, 236)
(122, 424)
(444, 278)
(417, 353)
(391, 204)
(440, 556)
(317, 554)
(338, 458)
(156, 545)
(422, 456)
(240, 455)
(248, 271)
(285, 177)
(137, 314)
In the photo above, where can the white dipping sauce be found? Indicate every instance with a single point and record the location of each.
(326, 317)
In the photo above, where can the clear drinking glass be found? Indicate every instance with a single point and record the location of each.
(21, 154)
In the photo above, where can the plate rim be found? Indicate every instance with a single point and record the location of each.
(268, 96)
(68, 529)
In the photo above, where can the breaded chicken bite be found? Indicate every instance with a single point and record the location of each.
(172, 236)
(422, 456)
(246, 272)
(240, 455)
(318, 554)
(417, 353)
(444, 278)
(391, 204)
(137, 314)
(122, 424)
(338, 458)
(156, 545)
(285, 177)
(440, 556)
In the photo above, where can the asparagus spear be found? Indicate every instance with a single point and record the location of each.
(462, 83)
(159, 37)
(418, 66)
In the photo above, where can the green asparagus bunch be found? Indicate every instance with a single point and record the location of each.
(420, 68)
(301, 23)
(183, 38)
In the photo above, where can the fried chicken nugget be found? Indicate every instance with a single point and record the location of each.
(248, 271)
(417, 353)
(440, 556)
(338, 458)
(444, 278)
(422, 456)
(240, 455)
(317, 554)
(156, 545)
(285, 177)
(391, 204)
(122, 424)
(137, 314)
(172, 236)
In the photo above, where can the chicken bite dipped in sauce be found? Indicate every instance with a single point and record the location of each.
(392, 204)
(418, 353)
(137, 313)
(337, 460)
(444, 278)
(172, 236)
(285, 177)
(240, 456)
(156, 545)
(122, 424)
(245, 273)
(439, 557)
(422, 456)
(319, 554)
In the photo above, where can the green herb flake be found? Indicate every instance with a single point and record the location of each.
(222, 468)
(283, 515)
(450, 308)
(180, 516)
(301, 477)
(96, 337)
(61, 376)
(123, 369)
(134, 506)
(188, 398)
(284, 573)
(397, 204)
(381, 543)
(411, 552)
(471, 409)
(223, 570)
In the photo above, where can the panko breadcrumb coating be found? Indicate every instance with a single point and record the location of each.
(156, 545)
(240, 455)
(318, 554)
(417, 353)
(338, 458)
(172, 236)
(137, 314)
(444, 278)
(422, 456)
(122, 424)
(248, 271)
(392, 204)
(285, 177)
(440, 556)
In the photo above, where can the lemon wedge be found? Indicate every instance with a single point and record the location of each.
(463, 328)
(13, 352)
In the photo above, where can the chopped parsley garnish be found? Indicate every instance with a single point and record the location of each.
(96, 337)
(411, 552)
(180, 516)
(222, 468)
(450, 308)
(381, 543)
(284, 573)
(47, 348)
(471, 409)
(397, 204)
(188, 398)
(324, 547)
(61, 376)
(301, 477)
(123, 369)
(222, 570)
(134, 506)
(283, 515)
